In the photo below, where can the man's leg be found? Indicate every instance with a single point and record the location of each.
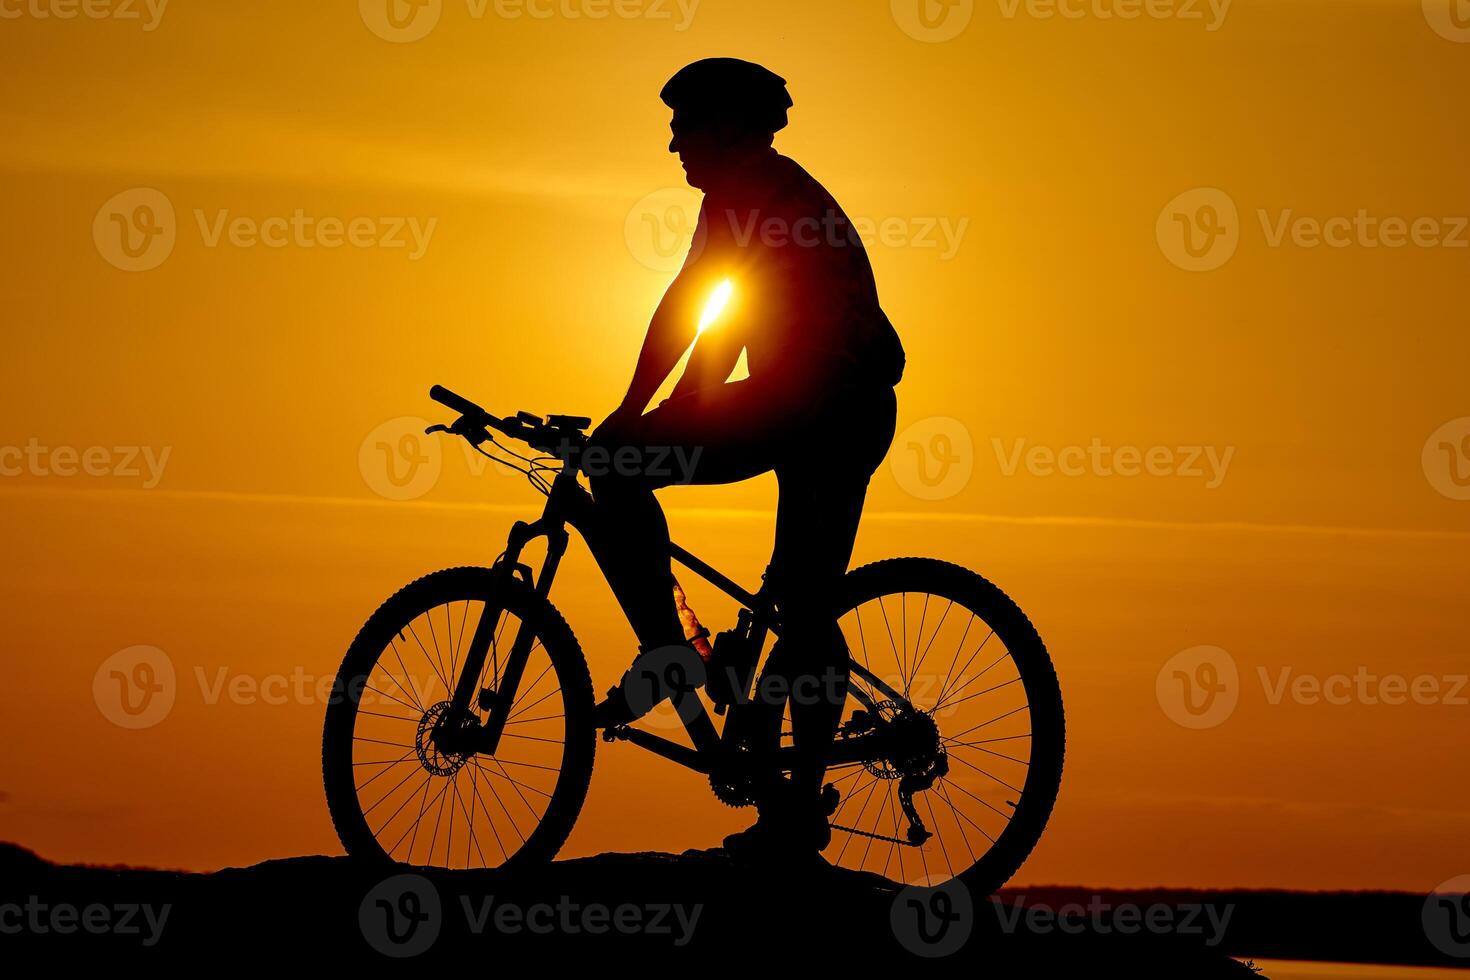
(630, 539)
(815, 530)
(823, 489)
(718, 435)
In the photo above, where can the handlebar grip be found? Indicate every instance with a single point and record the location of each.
(460, 404)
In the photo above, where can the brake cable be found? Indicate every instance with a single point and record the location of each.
(531, 469)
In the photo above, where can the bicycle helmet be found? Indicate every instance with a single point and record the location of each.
(728, 89)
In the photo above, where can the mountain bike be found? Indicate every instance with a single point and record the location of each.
(462, 731)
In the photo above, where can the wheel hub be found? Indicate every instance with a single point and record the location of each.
(911, 742)
(437, 739)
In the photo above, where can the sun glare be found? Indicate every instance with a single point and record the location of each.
(716, 305)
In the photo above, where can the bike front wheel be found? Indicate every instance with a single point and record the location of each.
(393, 794)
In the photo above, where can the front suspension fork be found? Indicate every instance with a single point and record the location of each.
(498, 699)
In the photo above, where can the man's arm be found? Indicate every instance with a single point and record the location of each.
(669, 334)
(672, 329)
(714, 356)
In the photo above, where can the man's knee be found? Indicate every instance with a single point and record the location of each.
(807, 599)
(811, 639)
(610, 488)
(810, 668)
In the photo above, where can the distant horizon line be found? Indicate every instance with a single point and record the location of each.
(1004, 889)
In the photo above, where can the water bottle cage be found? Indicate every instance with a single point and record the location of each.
(732, 664)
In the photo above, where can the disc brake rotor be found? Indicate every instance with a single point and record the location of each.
(431, 757)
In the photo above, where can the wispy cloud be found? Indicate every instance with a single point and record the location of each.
(744, 514)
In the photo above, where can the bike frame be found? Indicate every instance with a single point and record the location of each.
(568, 503)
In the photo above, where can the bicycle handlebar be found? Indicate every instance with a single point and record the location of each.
(459, 403)
(557, 435)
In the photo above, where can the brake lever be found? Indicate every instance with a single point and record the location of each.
(475, 435)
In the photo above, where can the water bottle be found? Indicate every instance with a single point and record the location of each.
(694, 632)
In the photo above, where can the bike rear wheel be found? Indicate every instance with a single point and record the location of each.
(393, 794)
(966, 661)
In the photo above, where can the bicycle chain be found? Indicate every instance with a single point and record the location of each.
(868, 833)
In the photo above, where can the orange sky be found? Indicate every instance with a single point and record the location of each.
(1016, 177)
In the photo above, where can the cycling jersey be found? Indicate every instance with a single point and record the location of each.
(809, 309)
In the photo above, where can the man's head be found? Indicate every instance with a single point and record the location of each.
(724, 110)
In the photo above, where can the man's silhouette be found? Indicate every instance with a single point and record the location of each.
(817, 408)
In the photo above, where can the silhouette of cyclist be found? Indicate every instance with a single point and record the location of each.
(818, 408)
